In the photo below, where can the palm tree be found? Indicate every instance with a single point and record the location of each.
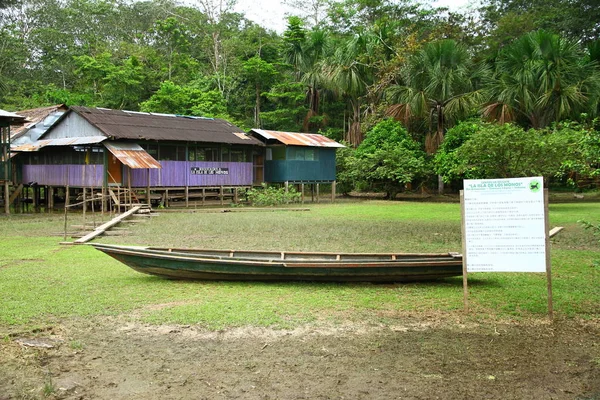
(304, 51)
(349, 73)
(539, 79)
(438, 87)
(317, 47)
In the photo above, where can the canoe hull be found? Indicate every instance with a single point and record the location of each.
(201, 267)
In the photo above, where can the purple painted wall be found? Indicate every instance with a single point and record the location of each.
(63, 175)
(173, 173)
(179, 173)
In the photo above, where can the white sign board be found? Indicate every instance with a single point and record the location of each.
(504, 225)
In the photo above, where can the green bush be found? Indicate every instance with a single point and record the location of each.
(387, 160)
(272, 196)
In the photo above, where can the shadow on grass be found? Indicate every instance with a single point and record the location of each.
(433, 283)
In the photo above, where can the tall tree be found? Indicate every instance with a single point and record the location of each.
(541, 78)
(349, 73)
(260, 74)
(437, 86)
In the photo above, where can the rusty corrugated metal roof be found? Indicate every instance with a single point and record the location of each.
(297, 139)
(77, 141)
(132, 155)
(134, 125)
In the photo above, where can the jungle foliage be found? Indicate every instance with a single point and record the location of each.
(341, 68)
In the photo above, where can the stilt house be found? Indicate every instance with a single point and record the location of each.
(148, 153)
(298, 157)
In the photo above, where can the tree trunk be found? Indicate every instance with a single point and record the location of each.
(257, 108)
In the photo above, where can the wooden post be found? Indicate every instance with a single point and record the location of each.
(148, 189)
(33, 197)
(166, 198)
(103, 194)
(129, 186)
(67, 200)
(66, 206)
(50, 199)
(221, 194)
(84, 202)
(302, 190)
(203, 195)
(333, 192)
(464, 252)
(93, 211)
(317, 192)
(548, 260)
(187, 196)
(235, 195)
(84, 194)
(312, 192)
(6, 195)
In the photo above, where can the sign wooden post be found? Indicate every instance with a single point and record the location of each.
(548, 261)
(464, 251)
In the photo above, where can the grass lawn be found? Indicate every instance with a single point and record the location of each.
(41, 281)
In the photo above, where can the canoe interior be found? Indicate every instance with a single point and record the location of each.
(281, 266)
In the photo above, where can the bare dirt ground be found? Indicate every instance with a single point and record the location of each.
(419, 357)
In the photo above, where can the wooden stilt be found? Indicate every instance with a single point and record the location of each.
(93, 211)
(203, 195)
(66, 208)
(187, 197)
(103, 199)
(6, 196)
(333, 184)
(129, 186)
(317, 192)
(221, 195)
(50, 199)
(84, 202)
(235, 196)
(148, 188)
(302, 191)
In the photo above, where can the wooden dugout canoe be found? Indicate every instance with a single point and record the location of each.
(229, 265)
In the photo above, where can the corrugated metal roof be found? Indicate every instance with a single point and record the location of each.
(11, 117)
(135, 125)
(34, 118)
(35, 146)
(298, 139)
(132, 155)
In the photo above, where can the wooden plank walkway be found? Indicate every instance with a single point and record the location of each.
(102, 228)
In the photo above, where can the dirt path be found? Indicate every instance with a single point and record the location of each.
(418, 358)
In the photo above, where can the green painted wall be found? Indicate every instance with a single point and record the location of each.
(319, 168)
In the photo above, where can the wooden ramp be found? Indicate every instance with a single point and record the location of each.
(104, 227)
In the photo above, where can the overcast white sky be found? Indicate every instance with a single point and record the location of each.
(271, 13)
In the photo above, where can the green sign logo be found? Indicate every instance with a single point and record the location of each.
(535, 185)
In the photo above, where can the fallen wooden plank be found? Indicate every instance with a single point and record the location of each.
(114, 196)
(554, 231)
(102, 228)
